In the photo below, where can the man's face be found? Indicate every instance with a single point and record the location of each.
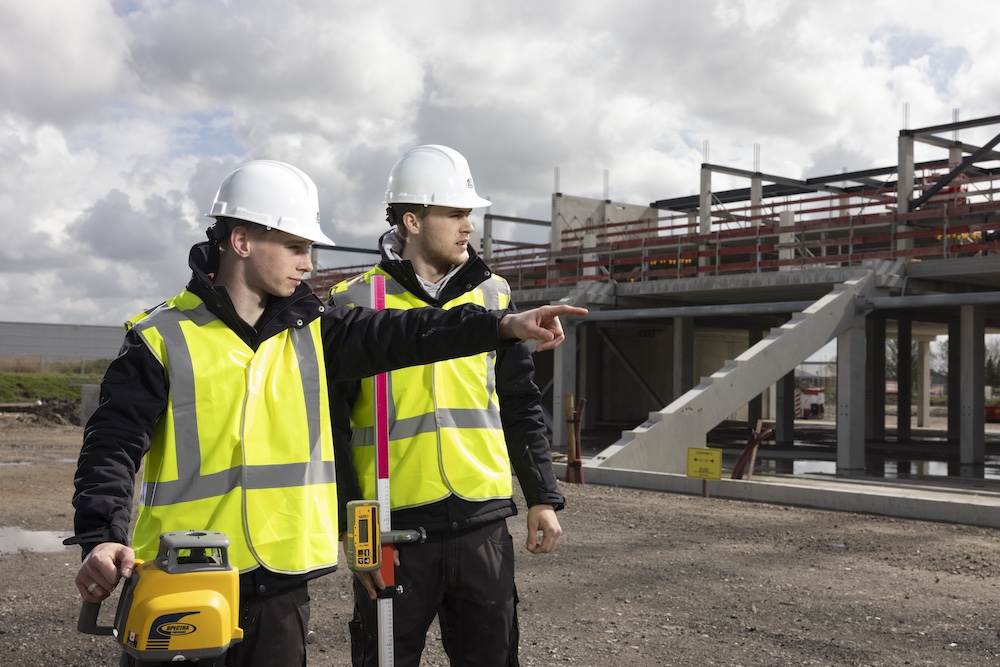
(443, 238)
(277, 261)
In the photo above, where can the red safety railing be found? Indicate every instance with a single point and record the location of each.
(822, 229)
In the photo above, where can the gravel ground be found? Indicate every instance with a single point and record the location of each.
(640, 578)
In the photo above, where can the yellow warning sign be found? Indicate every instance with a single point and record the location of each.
(704, 463)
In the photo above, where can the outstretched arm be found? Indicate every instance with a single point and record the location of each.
(359, 342)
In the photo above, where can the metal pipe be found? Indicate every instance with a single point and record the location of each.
(874, 303)
(930, 300)
(695, 311)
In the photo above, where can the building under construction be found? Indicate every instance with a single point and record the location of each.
(702, 307)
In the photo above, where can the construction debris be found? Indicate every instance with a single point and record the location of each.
(49, 411)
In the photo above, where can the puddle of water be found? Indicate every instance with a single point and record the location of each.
(883, 467)
(29, 463)
(13, 539)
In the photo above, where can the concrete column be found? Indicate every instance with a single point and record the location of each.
(683, 356)
(589, 375)
(705, 212)
(784, 423)
(904, 185)
(923, 383)
(564, 382)
(904, 180)
(972, 450)
(844, 204)
(487, 239)
(851, 364)
(875, 380)
(558, 222)
(785, 239)
(954, 157)
(904, 379)
(755, 410)
(756, 199)
(589, 243)
(705, 202)
(954, 375)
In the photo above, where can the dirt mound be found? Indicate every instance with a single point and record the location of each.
(64, 412)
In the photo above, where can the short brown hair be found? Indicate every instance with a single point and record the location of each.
(394, 215)
(224, 226)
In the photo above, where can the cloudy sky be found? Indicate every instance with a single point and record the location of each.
(119, 118)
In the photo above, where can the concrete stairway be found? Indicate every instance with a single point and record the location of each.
(660, 443)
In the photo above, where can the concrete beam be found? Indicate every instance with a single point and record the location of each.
(932, 503)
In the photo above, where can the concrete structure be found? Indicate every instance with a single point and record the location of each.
(947, 501)
(739, 287)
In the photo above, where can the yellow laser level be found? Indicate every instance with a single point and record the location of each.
(183, 605)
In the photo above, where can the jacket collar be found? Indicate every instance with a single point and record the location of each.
(467, 278)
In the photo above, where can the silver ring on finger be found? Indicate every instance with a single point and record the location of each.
(91, 587)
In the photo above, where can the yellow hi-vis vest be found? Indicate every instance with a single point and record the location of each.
(445, 435)
(245, 445)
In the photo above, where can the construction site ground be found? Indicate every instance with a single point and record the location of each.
(640, 578)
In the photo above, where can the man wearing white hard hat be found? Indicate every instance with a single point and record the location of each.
(457, 429)
(221, 392)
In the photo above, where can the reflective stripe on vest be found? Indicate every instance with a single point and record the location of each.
(446, 436)
(245, 445)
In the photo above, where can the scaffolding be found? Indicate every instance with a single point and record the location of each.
(943, 209)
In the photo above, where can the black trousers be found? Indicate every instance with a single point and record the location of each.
(467, 581)
(274, 632)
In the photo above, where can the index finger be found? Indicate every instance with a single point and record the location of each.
(552, 343)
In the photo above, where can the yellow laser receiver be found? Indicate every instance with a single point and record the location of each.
(362, 543)
(183, 605)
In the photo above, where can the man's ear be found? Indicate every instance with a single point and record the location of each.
(239, 240)
(411, 222)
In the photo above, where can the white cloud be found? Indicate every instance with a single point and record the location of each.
(119, 119)
(59, 60)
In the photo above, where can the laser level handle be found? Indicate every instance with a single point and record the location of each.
(87, 623)
(404, 536)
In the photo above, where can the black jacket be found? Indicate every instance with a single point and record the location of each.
(520, 413)
(357, 343)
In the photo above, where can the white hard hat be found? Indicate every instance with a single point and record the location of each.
(433, 174)
(273, 194)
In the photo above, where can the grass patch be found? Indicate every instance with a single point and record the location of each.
(30, 364)
(24, 378)
(22, 387)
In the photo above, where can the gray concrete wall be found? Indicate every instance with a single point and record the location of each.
(60, 341)
(569, 212)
